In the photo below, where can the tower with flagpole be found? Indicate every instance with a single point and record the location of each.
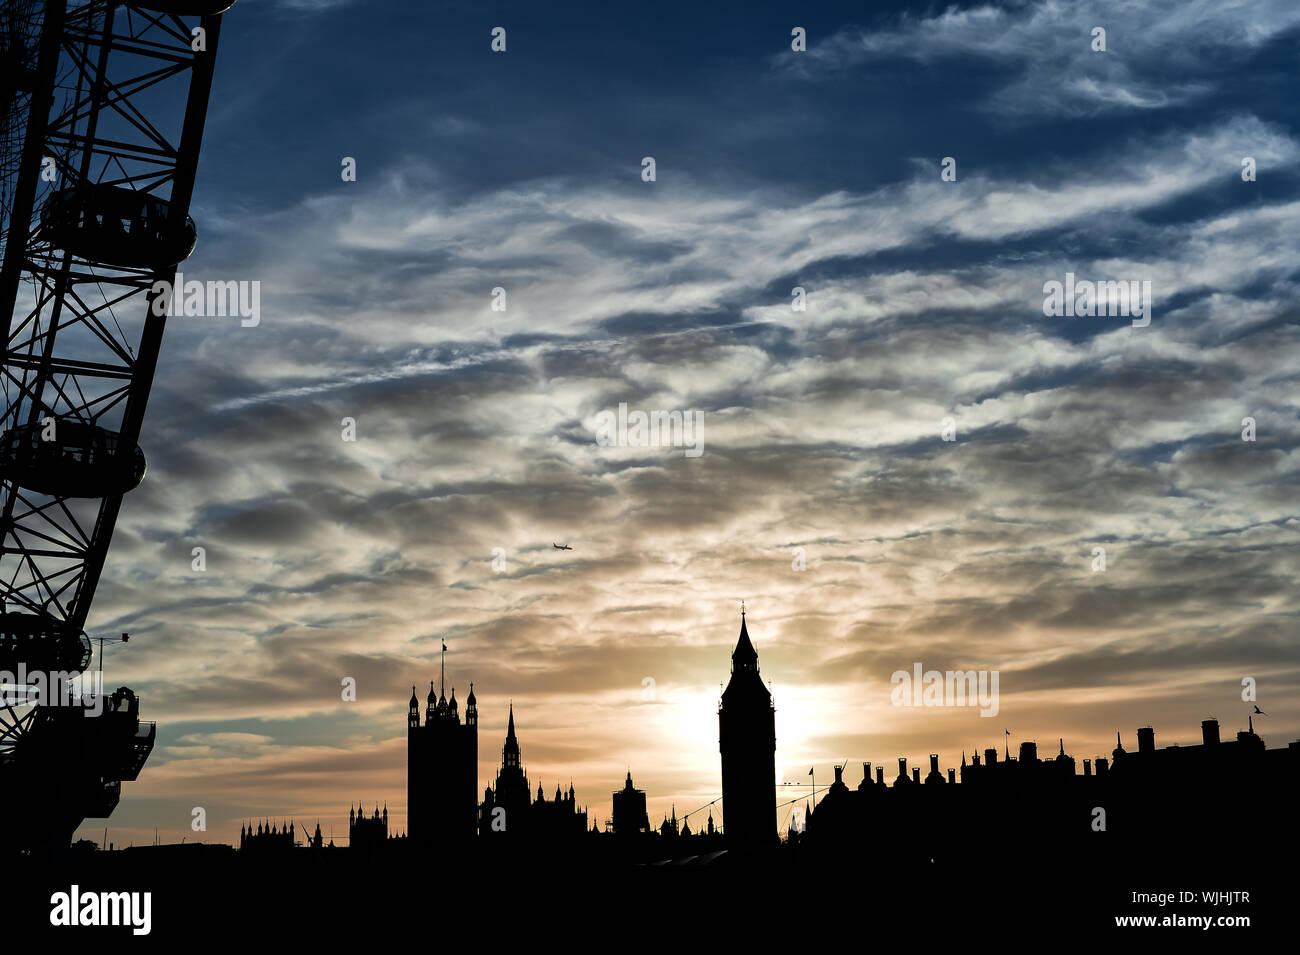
(442, 766)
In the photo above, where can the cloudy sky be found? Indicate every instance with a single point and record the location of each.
(823, 428)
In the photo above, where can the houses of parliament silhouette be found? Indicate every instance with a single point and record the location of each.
(1012, 829)
(1219, 791)
(442, 771)
(442, 782)
(1027, 801)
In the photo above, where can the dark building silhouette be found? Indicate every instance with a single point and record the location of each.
(509, 811)
(629, 810)
(441, 769)
(668, 829)
(1135, 805)
(557, 818)
(366, 834)
(747, 741)
(268, 839)
(509, 794)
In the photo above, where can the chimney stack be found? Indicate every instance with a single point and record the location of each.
(990, 757)
(952, 776)
(839, 775)
(1103, 765)
(935, 776)
(1087, 767)
(880, 775)
(916, 775)
(866, 773)
(902, 779)
(1209, 732)
(1028, 752)
(1146, 740)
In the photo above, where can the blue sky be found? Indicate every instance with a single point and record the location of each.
(820, 169)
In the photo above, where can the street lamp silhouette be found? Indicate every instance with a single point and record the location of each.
(102, 640)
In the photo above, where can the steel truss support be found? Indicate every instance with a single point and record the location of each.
(114, 106)
(120, 100)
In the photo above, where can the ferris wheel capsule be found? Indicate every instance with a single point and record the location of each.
(42, 644)
(80, 460)
(113, 225)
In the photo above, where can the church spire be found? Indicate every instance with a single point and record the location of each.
(510, 753)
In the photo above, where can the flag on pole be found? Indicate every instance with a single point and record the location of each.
(810, 772)
(444, 646)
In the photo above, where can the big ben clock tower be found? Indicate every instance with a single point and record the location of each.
(747, 740)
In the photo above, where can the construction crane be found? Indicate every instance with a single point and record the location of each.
(101, 121)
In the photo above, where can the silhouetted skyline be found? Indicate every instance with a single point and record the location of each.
(1142, 784)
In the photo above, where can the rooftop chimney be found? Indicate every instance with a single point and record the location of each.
(866, 773)
(1146, 740)
(1102, 765)
(880, 775)
(916, 775)
(952, 776)
(1209, 732)
(990, 757)
(1087, 767)
(1028, 752)
(839, 775)
(935, 776)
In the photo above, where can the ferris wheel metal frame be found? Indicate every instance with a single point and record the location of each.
(114, 107)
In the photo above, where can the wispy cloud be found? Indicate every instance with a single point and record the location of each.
(1157, 54)
(328, 558)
